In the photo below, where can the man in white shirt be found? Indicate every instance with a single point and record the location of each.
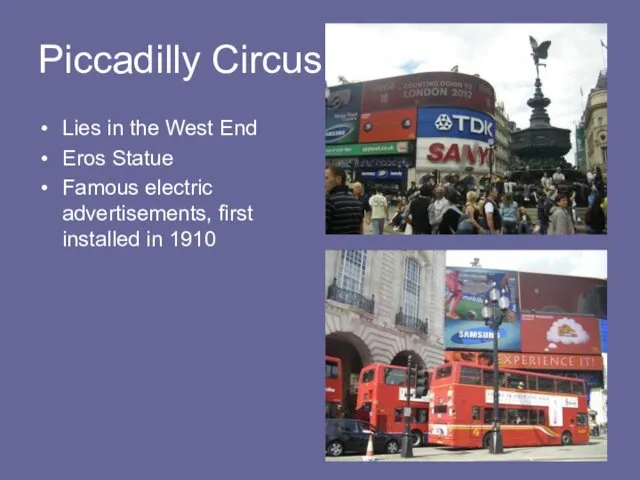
(379, 211)
(437, 209)
(590, 176)
(546, 183)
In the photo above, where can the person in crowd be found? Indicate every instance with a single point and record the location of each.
(525, 225)
(509, 215)
(492, 212)
(437, 208)
(470, 224)
(451, 216)
(419, 212)
(413, 189)
(379, 211)
(595, 219)
(364, 200)
(561, 221)
(598, 182)
(398, 219)
(343, 213)
(545, 182)
(558, 177)
(482, 220)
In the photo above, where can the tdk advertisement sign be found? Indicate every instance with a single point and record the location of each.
(456, 123)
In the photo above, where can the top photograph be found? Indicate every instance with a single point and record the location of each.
(472, 129)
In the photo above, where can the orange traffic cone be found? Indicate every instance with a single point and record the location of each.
(370, 456)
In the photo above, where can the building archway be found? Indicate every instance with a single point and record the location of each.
(401, 359)
(355, 354)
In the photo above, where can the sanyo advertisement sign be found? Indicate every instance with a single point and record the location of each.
(456, 123)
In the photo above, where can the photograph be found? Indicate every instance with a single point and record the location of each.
(494, 129)
(463, 355)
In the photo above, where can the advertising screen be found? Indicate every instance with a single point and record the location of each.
(465, 292)
(360, 149)
(388, 126)
(562, 365)
(455, 123)
(562, 334)
(562, 294)
(433, 89)
(452, 154)
(342, 114)
(604, 335)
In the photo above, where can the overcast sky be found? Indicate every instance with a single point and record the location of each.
(578, 263)
(499, 53)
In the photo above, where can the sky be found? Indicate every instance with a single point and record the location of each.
(577, 263)
(499, 53)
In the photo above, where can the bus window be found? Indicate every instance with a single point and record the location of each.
(582, 419)
(546, 384)
(578, 388)
(444, 372)
(440, 409)
(532, 382)
(516, 380)
(398, 416)
(470, 376)
(563, 386)
(488, 415)
(331, 370)
(541, 419)
(475, 413)
(420, 415)
(368, 376)
(488, 378)
(393, 376)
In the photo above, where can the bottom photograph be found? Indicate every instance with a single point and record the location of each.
(460, 355)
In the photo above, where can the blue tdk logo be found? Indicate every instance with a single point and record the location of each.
(337, 133)
(476, 335)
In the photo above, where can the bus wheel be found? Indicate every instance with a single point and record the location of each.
(418, 438)
(335, 449)
(566, 438)
(486, 441)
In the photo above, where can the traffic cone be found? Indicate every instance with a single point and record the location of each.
(370, 456)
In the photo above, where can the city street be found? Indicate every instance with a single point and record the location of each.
(594, 451)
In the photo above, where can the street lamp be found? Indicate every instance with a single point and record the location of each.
(327, 94)
(501, 301)
(407, 447)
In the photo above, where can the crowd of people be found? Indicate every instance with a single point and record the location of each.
(457, 206)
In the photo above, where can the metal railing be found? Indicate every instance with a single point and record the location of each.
(412, 323)
(342, 295)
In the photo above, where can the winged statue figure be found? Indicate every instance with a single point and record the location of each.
(540, 52)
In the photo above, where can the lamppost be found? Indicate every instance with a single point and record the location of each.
(407, 445)
(494, 321)
(492, 156)
(327, 94)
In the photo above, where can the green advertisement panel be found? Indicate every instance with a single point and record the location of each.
(365, 149)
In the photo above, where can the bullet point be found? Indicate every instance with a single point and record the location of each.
(44, 158)
(44, 188)
(44, 128)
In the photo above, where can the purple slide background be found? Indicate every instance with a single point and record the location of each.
(198, 364)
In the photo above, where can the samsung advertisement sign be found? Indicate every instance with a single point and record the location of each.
(455, 123)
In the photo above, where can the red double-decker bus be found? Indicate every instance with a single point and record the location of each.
(535, 409)
(382, 399)
(333, 386)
